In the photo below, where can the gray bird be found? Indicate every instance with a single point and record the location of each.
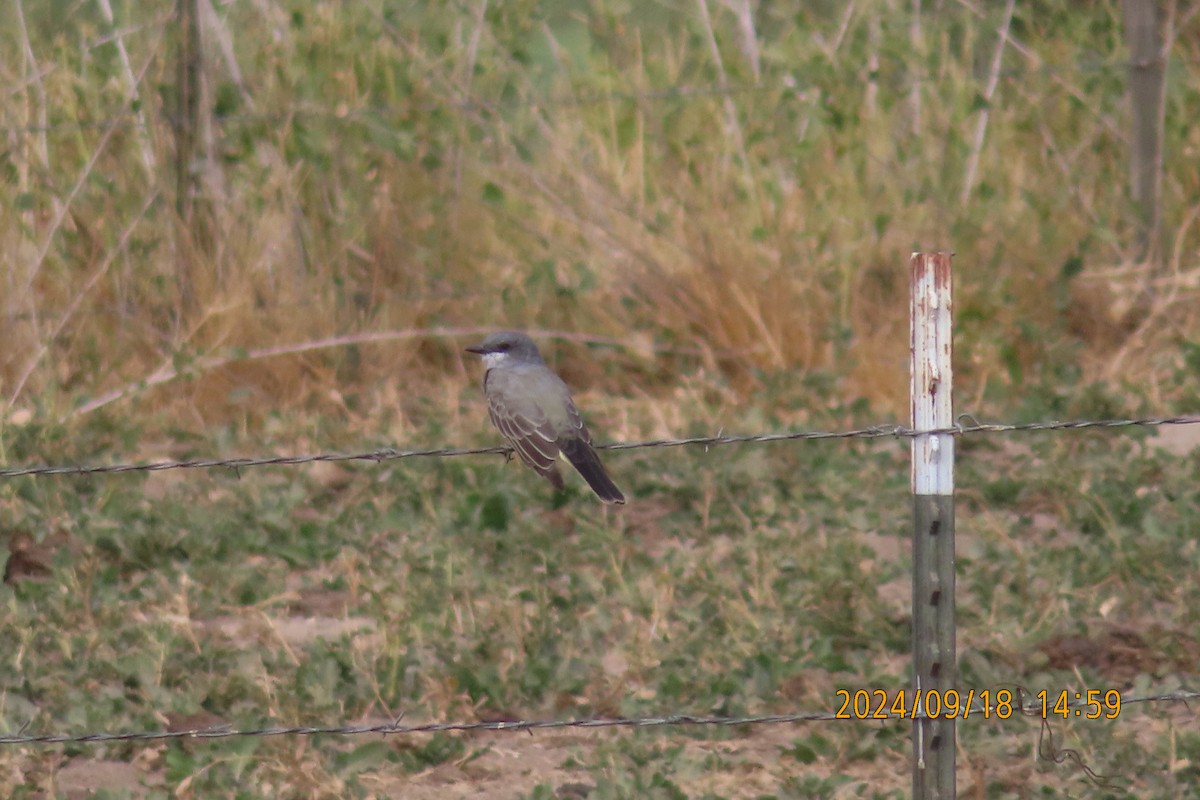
(532, 408)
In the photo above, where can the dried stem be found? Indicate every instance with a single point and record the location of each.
(83, 292)
(982, 123)
(133, 97)
(731, 120)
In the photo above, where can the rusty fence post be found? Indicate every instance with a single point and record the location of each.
(934, 664)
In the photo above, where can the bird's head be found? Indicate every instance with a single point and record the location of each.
(507, 348)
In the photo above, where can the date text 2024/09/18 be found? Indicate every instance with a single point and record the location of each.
(986, 703)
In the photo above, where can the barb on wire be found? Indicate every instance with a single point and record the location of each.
(390, 454)
(1031, 709)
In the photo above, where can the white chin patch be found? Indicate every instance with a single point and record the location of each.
(491, 360)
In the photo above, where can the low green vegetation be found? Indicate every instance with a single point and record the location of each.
(749, 579)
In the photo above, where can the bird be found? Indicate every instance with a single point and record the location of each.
(532, 408)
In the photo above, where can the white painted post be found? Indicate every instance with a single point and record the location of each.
(934, 662)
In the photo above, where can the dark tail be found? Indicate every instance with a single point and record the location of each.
(584, 458)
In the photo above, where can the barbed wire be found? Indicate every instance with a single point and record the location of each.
(967, 426)
(1031, 709)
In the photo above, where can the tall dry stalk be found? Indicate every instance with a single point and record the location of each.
(134, 94)
(988, 93)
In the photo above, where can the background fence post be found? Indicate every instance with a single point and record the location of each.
(1148, 102)
(189, 120)
(933, 523)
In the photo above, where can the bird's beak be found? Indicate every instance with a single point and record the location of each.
(477, 349)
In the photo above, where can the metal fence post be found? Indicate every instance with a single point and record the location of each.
(934, 664)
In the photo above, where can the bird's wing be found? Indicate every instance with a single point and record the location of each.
(522, 422)
(581, 431)
(576, 445)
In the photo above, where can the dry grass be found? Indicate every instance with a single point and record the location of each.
(365, 178)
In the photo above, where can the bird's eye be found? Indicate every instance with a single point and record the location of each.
(503, 348)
